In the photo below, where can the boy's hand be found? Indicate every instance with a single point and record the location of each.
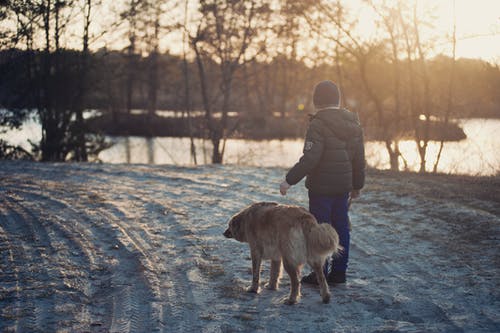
(284, 186)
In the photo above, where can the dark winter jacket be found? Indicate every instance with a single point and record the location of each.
(333, 157)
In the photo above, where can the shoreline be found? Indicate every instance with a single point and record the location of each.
(260, 127)
(466, 189)
(482, 192)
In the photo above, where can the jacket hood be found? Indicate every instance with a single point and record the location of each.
(343, 123)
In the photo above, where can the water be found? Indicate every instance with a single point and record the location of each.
(479, 154)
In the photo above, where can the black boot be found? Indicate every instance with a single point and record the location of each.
(335, 277)
(310, 279)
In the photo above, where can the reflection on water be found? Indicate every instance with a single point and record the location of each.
(177, 151)
(476, 155)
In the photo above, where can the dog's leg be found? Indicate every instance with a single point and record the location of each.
(275, 275)
(256, 261)
(293, 272)
(323, 286)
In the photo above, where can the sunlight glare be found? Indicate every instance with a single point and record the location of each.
(477, 24)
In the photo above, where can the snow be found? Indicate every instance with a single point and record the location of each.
(137, 248)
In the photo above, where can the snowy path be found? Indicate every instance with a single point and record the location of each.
(117, 248)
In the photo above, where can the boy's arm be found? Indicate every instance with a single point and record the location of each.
(313, 149)
(358, 164)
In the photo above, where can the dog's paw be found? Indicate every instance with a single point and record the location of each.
(252, 289)
(270, 286)
(326, 298)
(290, 301)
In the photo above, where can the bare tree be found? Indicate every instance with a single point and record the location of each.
(80, 127)
(386, 14)
(226, 34)
(288, 35)
(55, 77)
(131, 16)
(362, 53)
(187, 90)
(421, 105)
(451, 80)
(422, 132)
(154, 41)
(54, 115)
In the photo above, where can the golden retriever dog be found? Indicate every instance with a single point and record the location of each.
(287, 234)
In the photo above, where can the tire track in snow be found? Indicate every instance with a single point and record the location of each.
(179, 303)
(395, 276)
(80, 260)
(36, 297)
(175, 294)
(189, 290)
(188, 287)
(132, 310)
(127, 283)
(10, 298)
(101, 238)
(75, 258)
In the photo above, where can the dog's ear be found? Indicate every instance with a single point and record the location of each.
(228, 233)
(233, 225)
(236, 223)
(236, 226)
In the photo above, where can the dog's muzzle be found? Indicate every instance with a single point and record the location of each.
(228, 234)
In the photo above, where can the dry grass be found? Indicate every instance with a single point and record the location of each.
(476, 192)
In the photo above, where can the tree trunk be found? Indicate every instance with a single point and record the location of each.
(393, 155)
(187, 91)
(153, 67)
(80, 145)
(216, 154)
(382, 122)
(214, 130)
(450, 88)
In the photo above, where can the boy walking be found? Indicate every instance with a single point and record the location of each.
(333, 161)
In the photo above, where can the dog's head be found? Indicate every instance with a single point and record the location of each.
(235, 228)
(237, 223)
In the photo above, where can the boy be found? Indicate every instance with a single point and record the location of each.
(334, 162)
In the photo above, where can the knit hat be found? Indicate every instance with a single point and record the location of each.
(326, 93)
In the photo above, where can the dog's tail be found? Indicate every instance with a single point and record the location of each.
(322, 238)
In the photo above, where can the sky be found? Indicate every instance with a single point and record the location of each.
(477, 24)
(478, 27)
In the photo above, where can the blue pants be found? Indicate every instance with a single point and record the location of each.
(334, 210)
